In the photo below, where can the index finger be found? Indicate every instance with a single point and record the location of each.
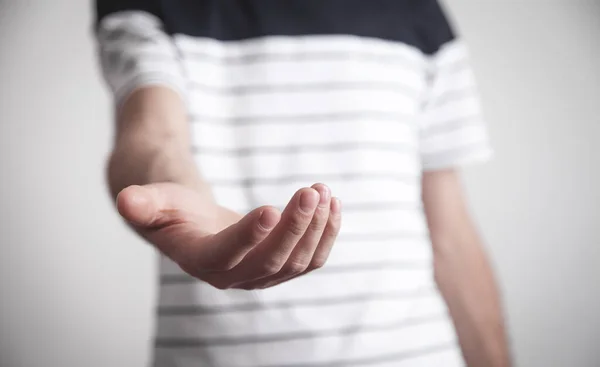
(226, 249)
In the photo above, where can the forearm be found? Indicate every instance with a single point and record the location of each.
(152, 144)
(466, 281)
(137, 161)
(463, 272)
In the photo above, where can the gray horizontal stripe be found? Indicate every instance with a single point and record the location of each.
(343, 56)
(171, 279)
(376, 206)
(164, 311)
(276, 338)
(321, 87)
(457, 152)
(126, 62)
(447, 127)
(454, 96)
(294, 149)
(283, 180)
(371, 116)
(381, 236)
(396, 357)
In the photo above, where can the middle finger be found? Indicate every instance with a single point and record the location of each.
(301, 257)
(270, 256)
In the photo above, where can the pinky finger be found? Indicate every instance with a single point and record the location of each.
(329, 236)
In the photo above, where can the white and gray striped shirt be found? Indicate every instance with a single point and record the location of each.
(361, 95)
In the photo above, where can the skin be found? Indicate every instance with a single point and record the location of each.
(160, 192)
(463, 272)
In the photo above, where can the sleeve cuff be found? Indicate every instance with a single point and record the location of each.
(457, 159)
(140, 80)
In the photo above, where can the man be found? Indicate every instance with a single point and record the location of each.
(227, 106)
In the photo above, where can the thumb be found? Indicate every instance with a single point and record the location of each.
(155, 206)
(138, 205)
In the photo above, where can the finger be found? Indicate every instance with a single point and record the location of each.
(161, 214)
(301, 257)
(334, 224)
(323, 249)
(226, 249)
(269, 256)
(138, 205)
(167, 215)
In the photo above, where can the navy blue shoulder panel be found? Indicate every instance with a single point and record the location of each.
(420, 23)
(106, 7)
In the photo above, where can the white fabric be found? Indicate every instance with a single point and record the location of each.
(271, 115)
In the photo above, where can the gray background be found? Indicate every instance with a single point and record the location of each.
(76, 286)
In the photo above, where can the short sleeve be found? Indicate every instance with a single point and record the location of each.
(134, 49)
(453, 131)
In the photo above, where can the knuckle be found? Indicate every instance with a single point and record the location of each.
(294, 267)
(271, 266)
(317, 262)
(297, 226)
(317, 225)
(253, 234)
(335, 228)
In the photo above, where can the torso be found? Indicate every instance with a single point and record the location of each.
(275, 111)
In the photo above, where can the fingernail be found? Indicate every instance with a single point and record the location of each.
(336, 205)
(309, 201)
(268, 220)
(325, 195)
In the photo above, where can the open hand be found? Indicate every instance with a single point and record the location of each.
(259, 250)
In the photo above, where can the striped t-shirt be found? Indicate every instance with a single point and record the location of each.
(362, 95)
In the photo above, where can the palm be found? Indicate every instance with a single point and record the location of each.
(221, 247)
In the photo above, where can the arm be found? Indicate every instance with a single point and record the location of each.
(152, 141)
(158, 188)
(152, 160)
(152, 144)
(159, 191)
(141, 66)
(463, 273)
